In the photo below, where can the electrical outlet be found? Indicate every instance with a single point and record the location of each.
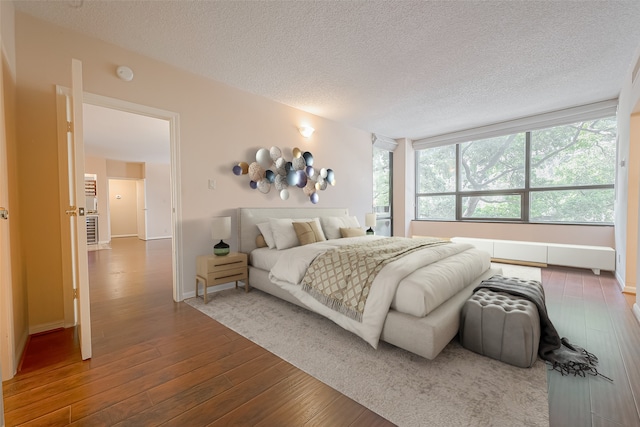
(212, 184)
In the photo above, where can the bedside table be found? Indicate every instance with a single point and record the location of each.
(214, 270)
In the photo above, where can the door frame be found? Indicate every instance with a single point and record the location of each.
(176, 214)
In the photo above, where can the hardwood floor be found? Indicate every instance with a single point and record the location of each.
(159, 362)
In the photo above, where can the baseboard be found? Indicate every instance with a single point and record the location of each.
(620, 281)
(158, 238)
(21, 349)
(629, 290)
(636, 311)
(115, 236)
(44, 327)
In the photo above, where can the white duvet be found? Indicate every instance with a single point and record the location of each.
(433, 275)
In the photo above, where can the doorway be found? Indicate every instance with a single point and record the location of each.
(159, 210)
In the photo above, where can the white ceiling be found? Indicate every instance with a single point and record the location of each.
(118, 135)
(397, 68)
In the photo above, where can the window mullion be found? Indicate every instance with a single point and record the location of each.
(527, 178)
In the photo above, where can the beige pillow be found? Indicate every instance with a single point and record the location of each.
(308, 232)
(351, 232)
(260, 242)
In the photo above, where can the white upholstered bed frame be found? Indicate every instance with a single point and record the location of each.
(425, 336)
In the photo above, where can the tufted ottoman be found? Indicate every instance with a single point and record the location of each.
(501, 326)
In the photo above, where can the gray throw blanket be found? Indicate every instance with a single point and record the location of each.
(563, 356)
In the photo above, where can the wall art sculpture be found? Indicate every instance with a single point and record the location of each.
(271, 169)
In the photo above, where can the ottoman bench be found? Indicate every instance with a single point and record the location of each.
(501, 326)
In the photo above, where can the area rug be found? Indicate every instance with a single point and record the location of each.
(521, 271)
(457, 388)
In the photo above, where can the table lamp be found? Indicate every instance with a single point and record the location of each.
(221, 229)
(370, 221)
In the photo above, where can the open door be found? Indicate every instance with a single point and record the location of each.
(76, 210)
(8, 363)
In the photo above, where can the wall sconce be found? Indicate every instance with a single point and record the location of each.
(306, 131)
(370, 221)
(221, 229)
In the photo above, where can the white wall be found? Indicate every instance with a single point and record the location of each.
(158, 194)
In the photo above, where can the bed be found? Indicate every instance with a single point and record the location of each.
(411, 320)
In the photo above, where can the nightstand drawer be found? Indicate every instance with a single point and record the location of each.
(228, 275)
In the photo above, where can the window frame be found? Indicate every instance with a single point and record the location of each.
(525, 192)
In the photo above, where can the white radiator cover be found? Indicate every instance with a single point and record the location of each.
(595, 258)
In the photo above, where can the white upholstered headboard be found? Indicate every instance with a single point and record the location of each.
(248, 218)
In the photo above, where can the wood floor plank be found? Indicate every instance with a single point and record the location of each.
(210, 370)
(273, 398)
(301, 407)
(179, 403)
(343, 412)
(237, 395)
(59, 417)
(149, 376)
(612, 400)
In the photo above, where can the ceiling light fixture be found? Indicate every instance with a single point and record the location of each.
(306, 131)
(125, 73)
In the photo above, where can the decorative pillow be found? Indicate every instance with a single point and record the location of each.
(331, 225)
(260, 242)
(352, 232)
(265, 229)
(283, 233)
(308, 232)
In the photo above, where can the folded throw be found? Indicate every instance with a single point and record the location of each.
(563, 356)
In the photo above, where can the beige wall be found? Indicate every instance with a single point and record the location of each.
(627, 186)
(565, 234)
(219, 126)
(633, 165)
(17, 278)
(118, 169)
(122, 207)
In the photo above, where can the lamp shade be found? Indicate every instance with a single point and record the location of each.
(221, 227)
(370, 220)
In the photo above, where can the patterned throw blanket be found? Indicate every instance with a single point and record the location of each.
(341, 278)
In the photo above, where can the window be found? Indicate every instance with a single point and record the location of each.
(562, 174)
(382, 196)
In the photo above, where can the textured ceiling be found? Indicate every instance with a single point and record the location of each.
(398, 68)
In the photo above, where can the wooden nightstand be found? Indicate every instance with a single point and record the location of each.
(214, 270)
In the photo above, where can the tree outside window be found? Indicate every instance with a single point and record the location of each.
(563, 174)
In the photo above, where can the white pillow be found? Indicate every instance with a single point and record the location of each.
(265, 230)
(283, 233)
(331, 225)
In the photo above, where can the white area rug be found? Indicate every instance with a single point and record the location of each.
(523, 272)
(458, 388)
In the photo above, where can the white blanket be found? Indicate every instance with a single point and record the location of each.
(290, 269)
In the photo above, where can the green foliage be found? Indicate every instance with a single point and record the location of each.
(578, 155)
(494, 163)
(381, 177)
